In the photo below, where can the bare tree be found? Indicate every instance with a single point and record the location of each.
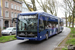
(69, 19)
(66, 18)
(31, 8)
(43, 5)
(52, 7)
(34, 6)
(68, 7)
(73, 13)
(49, 6)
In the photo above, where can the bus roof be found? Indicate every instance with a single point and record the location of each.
(41, 13)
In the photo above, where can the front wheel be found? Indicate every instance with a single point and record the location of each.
(46, 36)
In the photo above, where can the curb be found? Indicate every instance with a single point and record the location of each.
(62, 40)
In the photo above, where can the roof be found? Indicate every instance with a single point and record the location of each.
(41, 13)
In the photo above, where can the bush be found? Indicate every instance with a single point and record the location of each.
(71, 41)
(64, 49)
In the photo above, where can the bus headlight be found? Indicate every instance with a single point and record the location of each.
(40, 36)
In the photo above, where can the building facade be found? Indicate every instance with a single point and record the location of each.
(10, 9)
(24, 8)
(1, 17)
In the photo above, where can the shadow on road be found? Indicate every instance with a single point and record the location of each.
(32, 42)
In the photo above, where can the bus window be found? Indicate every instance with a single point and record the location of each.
(61, 23)
(27, 24)
(50, 26)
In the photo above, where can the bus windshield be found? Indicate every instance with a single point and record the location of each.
(27, 23)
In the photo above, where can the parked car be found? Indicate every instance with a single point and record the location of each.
(9, 31)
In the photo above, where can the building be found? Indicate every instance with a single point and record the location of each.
(10, 9)
(24, 8)
(1, 17)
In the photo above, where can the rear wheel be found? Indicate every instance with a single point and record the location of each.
(46, 36)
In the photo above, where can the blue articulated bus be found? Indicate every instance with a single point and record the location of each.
(37, 26)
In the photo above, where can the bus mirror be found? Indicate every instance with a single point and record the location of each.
(14, 19)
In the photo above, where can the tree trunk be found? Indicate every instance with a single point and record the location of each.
(69, 19)
(34, 6)
(27, 5)
(0, 32)
(73, 23)
(70, 22)
(73, 12)
(66, 18)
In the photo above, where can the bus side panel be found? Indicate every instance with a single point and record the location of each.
(54, 31)
(50, 32)
(42, 34)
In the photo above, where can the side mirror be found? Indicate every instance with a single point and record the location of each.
(14, 19)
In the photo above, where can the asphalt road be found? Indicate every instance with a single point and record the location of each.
(49, 44)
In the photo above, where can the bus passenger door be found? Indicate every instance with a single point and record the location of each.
(42, 29)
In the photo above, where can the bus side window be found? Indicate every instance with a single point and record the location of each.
(41, 25)
(50, 26)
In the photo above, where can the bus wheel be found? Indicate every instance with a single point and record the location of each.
(46, 36)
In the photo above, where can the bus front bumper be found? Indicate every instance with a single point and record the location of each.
(30, 38)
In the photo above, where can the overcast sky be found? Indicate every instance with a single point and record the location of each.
(60, 11)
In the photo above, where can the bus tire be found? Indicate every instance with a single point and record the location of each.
(60, 31)
(46, 36)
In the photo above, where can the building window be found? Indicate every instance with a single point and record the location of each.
(20, 9)
(12, 6)
(6, 4)
(6, 14)
(15, 7)
(15, 14)
(12, 14)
